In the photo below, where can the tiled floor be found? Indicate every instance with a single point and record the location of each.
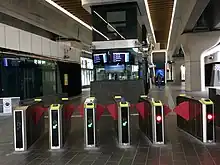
(180, 149)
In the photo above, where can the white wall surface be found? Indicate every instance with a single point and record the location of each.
(16, 39)
(194, 45)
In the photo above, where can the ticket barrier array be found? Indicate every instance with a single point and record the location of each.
(122, 122)
(28, 124)
(60, 123)
(196, 117)
(151, 119)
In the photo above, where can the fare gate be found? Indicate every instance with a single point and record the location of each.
(196, 117)
(60, 123)
(208, 121)
(55, 127)
(152, 122)
(123, 122)
(28, 124)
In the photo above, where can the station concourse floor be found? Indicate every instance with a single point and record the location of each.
(180, 148)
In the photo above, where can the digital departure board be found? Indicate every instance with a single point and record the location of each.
(120, 57)
(100, 58)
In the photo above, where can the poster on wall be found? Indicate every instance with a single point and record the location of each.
(7, 105)
(65, 79)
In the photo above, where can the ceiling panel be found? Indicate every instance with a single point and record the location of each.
(160, 10)
(75, 7)
(161, 13)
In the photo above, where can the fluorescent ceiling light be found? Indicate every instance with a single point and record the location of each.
(100, 33)
(136, 50)
(149, 18)
(74, 17)
(85, 51)
(171, 23)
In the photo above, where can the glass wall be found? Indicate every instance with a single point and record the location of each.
(117, 72)
(86, 71)
(27, 77)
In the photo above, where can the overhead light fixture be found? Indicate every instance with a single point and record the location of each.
(149, 18)
(74, 17)
(171, 23)
(100, 33)
(136, 50)
(85, 51)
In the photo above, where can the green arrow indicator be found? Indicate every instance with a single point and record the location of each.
(124, 123)
(90, 125)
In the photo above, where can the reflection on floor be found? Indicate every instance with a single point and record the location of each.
(180, 149)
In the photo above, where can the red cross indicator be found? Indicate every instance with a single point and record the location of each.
(159, 118)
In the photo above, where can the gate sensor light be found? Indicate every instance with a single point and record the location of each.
(209, 116)
(159, 118)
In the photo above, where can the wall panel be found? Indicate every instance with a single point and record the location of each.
(46, 47)
(2, 34)
(12, 38)
(25, 41)
(36, 44)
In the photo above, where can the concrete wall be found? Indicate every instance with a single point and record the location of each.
(176, 69)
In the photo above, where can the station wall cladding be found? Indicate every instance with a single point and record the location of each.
(73, 70)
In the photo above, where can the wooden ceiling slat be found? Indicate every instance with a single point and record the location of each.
(75, 7)
(160, 10)
(161, 13)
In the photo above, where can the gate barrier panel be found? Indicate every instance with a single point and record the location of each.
(196, 117)
(28, 124)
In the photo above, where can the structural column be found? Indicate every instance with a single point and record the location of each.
(178, 61)
(194, 45)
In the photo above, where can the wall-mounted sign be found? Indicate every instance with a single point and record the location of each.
(7, 105)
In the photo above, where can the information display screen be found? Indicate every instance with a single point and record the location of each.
(120, 58)
(55, 135)
(115, 68)
(100, 58)
(90, 127)
(18, 121)
(124, 120)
